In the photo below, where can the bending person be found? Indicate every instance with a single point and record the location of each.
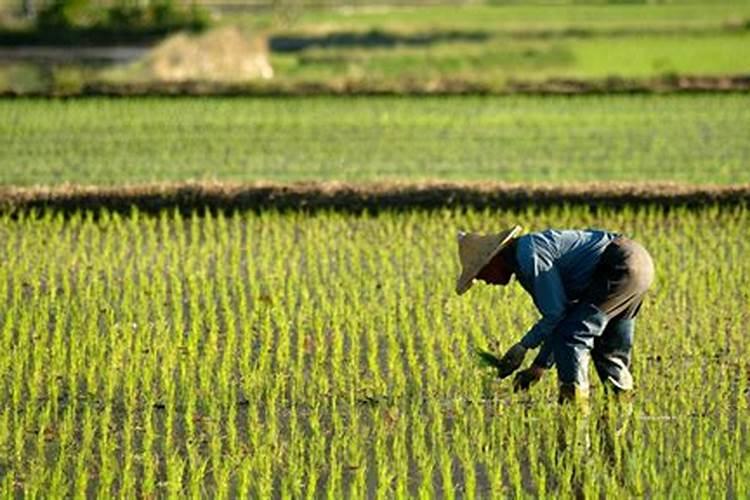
(588, 286)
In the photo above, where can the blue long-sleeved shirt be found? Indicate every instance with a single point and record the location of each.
(555, 267)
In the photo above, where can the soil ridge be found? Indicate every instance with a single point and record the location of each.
(363, 197)
(666, 84)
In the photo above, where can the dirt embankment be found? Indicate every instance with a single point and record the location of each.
(402, 87)
(359, 198)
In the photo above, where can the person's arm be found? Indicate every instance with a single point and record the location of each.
(539, 276)
(550, 298)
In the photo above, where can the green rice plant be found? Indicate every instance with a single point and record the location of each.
(288, 354)
(683, 138)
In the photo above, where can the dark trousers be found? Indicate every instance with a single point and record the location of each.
(601, 324)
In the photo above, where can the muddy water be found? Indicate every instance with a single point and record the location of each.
(41, 69)
(72, 55)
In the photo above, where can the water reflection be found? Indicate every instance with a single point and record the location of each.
(47, 69)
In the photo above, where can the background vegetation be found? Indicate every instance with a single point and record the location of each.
(438, 47)
(84, 22)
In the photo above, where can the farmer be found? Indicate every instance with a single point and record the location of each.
(588, 286)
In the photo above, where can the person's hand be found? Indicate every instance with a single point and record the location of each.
(511, 360)
(528, 377)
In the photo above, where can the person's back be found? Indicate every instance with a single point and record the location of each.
(573, 253)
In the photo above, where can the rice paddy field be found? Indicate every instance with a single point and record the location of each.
(685, 138)
(502, 16)
(494, 44)
(182, 352)
(326, 355)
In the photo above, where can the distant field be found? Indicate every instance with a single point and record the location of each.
(447, 46)
(492, 44)
(695, 139)
(496, 61)
(502, 17)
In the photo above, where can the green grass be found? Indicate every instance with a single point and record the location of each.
(267, 355)
(580, 41)
(499, 18)
(648, 56)
(573, 41)
(694, 139)
(495, 62)
(534, 42)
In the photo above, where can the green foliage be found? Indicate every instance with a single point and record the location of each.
(65, 15)
(81, 22)
(67, 79)
(689, 138)
(265, 354)
(126, 16)
(159, 15)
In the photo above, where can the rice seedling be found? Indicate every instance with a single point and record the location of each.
(686, 138)
(292, 354)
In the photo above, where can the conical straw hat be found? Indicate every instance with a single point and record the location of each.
(476, 250)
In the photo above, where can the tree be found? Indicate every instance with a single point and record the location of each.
(28, 9)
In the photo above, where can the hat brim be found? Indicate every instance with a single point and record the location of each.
(466, 280)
